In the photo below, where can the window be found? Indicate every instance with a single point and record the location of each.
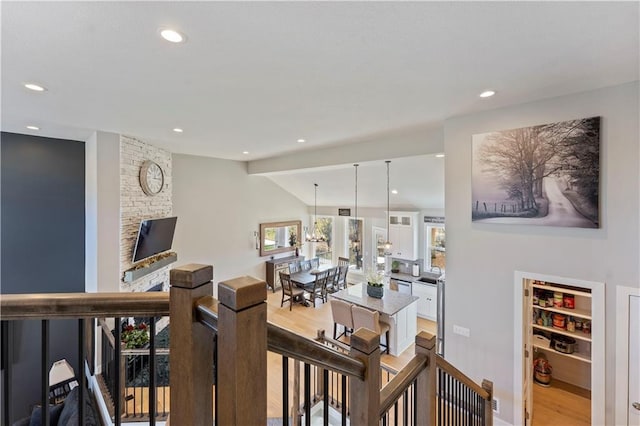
(324, 249)
(435, 247)
(379, 237)
(355, 254)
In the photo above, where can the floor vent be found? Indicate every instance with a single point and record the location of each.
(495, 404)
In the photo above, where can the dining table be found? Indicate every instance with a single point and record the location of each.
(305, 279)
(399, 310)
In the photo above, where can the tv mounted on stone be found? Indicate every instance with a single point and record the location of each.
(154, 237)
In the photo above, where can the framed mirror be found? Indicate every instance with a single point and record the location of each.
(280, 237)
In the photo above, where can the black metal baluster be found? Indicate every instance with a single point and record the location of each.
(307, 394)
(7, 366)
(395, 413)
(215, 378)
(344, 400)
(81, 372)
(152, 371)
(117, 420)
(439, 398)
(415, 401)
(285, 390)
(405, 407)
(44, 370)
(325, 395)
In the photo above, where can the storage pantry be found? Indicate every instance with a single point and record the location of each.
(563, 347)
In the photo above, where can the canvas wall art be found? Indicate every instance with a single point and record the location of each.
(540, 175)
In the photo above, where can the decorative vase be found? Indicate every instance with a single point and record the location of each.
(297, 252)
(376, 292)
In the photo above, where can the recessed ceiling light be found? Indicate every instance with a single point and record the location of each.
(487, 93)
(245, 152)
(394, 191)
(178, 130)
(439, 155)
(301, 141)
(35, 87)
(172, 35)
(33, 127)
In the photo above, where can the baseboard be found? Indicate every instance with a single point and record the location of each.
(499, 422)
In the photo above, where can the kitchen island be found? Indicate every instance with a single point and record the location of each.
(396, 309)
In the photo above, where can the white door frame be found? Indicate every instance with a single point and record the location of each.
(622, 352)
(597, 344)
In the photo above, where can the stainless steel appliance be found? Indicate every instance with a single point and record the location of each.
(401, 285)
(440, 318)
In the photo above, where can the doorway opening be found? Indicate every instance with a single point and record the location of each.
(559, 338)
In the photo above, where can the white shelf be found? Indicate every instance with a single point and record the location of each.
(575, 355)
(576, 335)
(582, 313)
(562, 290)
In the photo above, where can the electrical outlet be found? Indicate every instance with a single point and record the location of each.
(461, 331)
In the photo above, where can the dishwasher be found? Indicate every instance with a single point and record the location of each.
(400, 285)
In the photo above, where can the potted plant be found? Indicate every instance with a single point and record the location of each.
(542, 371)
(293, 242)
(395, 266)
(375, 286)
(135, 336)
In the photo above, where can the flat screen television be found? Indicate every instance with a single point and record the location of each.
(154, 236)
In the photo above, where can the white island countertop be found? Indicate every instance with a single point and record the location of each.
(391, 303)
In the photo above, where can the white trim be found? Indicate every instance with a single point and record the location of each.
(499, 422)
(597, 345)
(622, 353)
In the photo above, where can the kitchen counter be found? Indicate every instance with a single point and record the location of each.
(410, 278)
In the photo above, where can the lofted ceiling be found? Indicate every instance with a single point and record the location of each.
(257, 76)
(419, 181)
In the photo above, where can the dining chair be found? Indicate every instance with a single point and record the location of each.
(319, 289)
(305, 265)
(371, 320)
(343, 261)
(342, 276)
(294, 267)
(315, 262)
(332, 285)
(289, 291)
(341, 312)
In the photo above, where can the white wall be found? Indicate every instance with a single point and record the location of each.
(102, 212)
(482, 258)
(219, 206)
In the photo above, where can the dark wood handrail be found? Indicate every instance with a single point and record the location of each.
(400, 382)
(207, 312)
(292, 345)
(288, 343)
(83, 305)
(461, 377)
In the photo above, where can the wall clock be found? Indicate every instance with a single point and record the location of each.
(151, 178)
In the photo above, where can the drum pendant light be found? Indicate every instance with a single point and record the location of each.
(314, 237)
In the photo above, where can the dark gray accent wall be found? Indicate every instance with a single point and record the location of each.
(43, 248)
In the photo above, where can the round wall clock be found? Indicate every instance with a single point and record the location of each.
(151, 178)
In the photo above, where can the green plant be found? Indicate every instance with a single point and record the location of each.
(135, 336)
(293, 240)
(395, 265)
(375, 278)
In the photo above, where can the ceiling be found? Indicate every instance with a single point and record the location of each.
(419, 181)
(257, 76)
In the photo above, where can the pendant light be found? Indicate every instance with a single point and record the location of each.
(387, 244)
(314, 237)
(356, 240)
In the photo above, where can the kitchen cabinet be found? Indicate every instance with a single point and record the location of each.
(428, 300)
(403, 234)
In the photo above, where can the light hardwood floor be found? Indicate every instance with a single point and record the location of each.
(561, 404)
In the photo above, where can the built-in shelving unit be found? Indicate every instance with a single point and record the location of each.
(576, 355)
(573, 334)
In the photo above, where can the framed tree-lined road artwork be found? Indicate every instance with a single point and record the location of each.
(540, 175)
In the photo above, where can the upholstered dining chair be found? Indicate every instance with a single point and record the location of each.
(371, 320)
(294, 267)
(319, 289)
(289, 291)
(341, 312)
(343, 261)
(305, 265)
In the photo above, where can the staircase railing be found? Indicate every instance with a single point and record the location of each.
(223, 344)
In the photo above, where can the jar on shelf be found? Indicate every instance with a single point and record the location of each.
(569, 301)
(549, 303)
(557, 299)
(571, 324)
(586, 327)
(579, 324)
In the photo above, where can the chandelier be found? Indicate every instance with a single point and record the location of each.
(314, 237)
